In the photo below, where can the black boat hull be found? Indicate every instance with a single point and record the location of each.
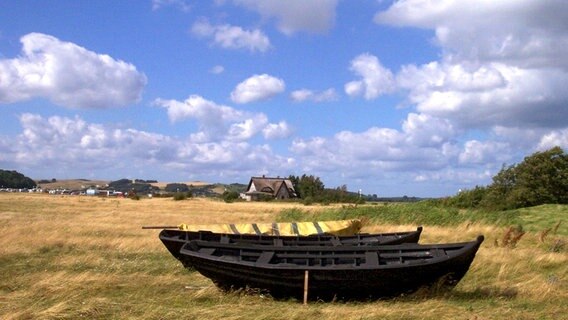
(364, 281)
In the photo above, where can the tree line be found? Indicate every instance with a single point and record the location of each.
(541, 178)
(311, 189)
(15, 180)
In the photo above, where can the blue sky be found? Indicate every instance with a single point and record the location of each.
(414, 97)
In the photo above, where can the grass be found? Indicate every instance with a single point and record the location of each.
(64, 257)
(428, 213)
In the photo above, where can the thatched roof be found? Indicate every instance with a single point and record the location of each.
(270, 185)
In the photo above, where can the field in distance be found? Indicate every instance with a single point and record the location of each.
(65, 257)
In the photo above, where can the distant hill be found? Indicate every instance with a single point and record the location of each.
(197, 188)
(71, 184)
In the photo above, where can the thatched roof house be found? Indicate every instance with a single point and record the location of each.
(277, 188)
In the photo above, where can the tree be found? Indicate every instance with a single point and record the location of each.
(16, 180)
(469, 198)
(499, 192)
(176, 187)
(307, 186)
(126, 185)
(540, 178)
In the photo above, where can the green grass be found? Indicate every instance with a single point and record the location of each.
(429, 213)
(543, 217)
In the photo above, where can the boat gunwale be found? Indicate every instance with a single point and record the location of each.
(252, 237)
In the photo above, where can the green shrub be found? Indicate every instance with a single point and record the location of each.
(293, 214)
(180, 196)
(230, 196)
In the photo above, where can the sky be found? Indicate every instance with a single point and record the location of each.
(412, 97)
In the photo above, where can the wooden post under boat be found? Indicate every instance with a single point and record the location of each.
(306, 276)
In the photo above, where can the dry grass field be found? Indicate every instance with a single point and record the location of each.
(66, 257)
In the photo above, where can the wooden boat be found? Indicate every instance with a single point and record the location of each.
(344, 272)
(173, 240)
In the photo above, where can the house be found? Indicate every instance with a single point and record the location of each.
(277, 188)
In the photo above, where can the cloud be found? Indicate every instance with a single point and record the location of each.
(315, 16)
(553, 139)
(222, 123)
(423, 130)
(527, 34)
(480, 152)
(72, 142)
(68, 75)
(277, 130)
(180, 4)
(309, 95)
(218, 69)
(198, 108)
(375, 81)
(72, 146)
(503, 63)
(231, 37)
(257, 88)
(424, 143)
(216, 122)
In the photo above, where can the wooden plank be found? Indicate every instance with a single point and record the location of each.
(207, 251)
(265, 257)
(371, 259)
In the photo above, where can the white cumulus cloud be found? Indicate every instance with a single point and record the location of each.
(553, 139)
(503, 63)
(375, 81)
(68, 75)
(309, 95)
(277, 130)
(72, 146)
(424, 143)
(530, 33)
(232, 37)
(222, 123)
(257, 88)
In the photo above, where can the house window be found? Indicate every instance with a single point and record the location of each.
(267, 189)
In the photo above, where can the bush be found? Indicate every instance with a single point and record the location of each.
(468, 198)
(293, 215)
(230, 196)
(308, 201)
(265, 197)
(180, 196)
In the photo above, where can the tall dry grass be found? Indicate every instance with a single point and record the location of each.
(64, 257)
